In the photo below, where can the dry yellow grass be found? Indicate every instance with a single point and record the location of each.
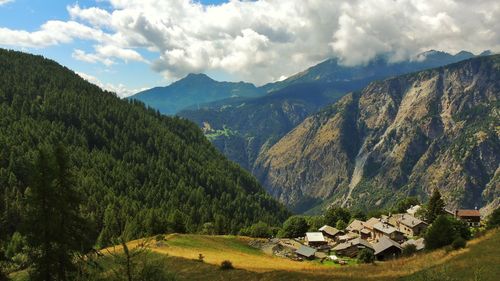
(255, 265)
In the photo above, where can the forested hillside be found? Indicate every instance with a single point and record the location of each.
(140, 173)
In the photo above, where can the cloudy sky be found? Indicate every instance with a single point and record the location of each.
(127, 45)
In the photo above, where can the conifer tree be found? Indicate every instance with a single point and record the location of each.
(435, 206)
(54, 229)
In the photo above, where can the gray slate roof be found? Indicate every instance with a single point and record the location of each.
(305, 251)
(408, 220)
(329, 230)
(385, 243)
(355, 225)
(385, 228)
(354, 242)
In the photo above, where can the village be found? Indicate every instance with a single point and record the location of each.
(385, 236)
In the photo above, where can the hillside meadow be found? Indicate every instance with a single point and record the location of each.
(179, 253)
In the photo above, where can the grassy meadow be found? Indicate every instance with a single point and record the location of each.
(480, 260)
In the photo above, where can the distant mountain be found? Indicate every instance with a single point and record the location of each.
(242, 129)
(194, 90)
(333, 72)
(403, 136)
(140, 173)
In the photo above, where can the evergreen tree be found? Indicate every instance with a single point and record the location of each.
(54, 230)
(494, 219)
(435, 206)
(440, 233)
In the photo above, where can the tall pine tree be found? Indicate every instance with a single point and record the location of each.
(435, 207)
(54, 229)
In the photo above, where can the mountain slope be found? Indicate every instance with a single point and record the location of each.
(333, 72)
(398, 137)
(194, 90)
(140, 172)
(244, 129)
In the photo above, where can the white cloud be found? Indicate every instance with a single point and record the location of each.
(120, 89)
(3, 2)
(263, 40)
(90, 58)
(52, 32)
(104, 55)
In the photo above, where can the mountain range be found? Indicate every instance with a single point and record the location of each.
(244, 129)
(193, 91)
(398, 137)
(280, 138)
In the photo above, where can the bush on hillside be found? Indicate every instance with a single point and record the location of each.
(440, 233)
(226, 265)
(458, 243)
(340, 225)
(494, 219)
(366, 256)
(444, 230)
(257, 230)
(409, 250)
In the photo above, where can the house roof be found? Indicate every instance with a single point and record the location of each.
(365, 231)
(329, 230)
(419, 243)
(354, 242)
(355, 225)
(385, 228)
(468, 213)
(305, 251)
(385, 243)
(408, 220)
(371, 222)
(315, 237)
(348, 236)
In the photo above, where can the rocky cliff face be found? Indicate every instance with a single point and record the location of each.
(402, 136)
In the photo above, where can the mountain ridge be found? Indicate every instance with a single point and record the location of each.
(243, 129)
(394, 136)
(194, 90)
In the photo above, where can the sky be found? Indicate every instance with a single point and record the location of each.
(129, 45)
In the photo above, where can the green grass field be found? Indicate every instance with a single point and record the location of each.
(479, 261)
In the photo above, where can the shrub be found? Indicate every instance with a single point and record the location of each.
(409, 250)
(366, 256)
(340, 225)
(441, 233)
(226, 265)
(201, 258)
(257, 230)
(160, 237)
(458, 243)
(494, 219)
